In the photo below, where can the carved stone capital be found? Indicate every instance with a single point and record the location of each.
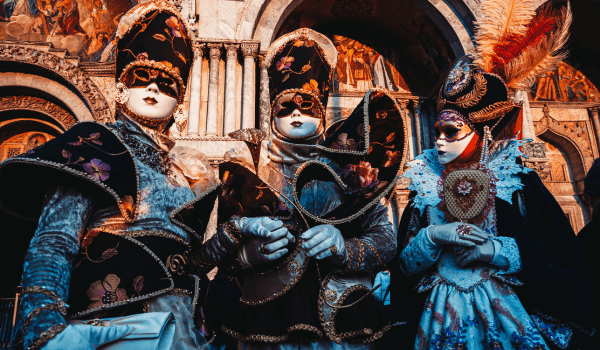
(198, 48)
(232, 50)
(416, 105)
(215, 50)
(250, 49)
(78, 79)
(37, 104)
(593, 111)
(403, 104)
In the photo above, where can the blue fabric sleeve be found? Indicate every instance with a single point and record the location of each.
(48, 261)
(507, 256)
(419, 254)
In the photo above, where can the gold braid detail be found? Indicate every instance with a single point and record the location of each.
(374, 251)
(494, 111)
(361, 254)
(46, 336)
(441, 101)
(475, 95)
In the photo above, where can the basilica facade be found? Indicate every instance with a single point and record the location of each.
(57, 68)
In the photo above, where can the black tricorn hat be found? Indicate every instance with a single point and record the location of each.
(152, 34)
(480, 97)
(301, 62)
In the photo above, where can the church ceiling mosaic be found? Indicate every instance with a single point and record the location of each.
(83, 27)
(392, 44)
(565, 84)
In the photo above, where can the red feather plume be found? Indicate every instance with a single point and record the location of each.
(513, 44)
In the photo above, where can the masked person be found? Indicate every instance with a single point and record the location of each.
(118, 223)
(308, 285)
(491, 256)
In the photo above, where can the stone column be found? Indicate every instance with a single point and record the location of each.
(409, 134)
(596, 123)
(230, 76)
(418, 130)
(249, 49)
(528, 128)
(264, 99)
(195, 88)
(213, 89)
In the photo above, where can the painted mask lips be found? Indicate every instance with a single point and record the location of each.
(296, 124)
(441, 153)
(150, 100)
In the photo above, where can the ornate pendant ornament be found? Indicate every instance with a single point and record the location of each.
(180, 117)
(122, 94)
(466, 193)
(459, 78)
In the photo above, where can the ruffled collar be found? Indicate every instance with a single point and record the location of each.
(425, 171)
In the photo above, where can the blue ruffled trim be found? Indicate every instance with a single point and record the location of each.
(510, 251)
(503, 163)
(559, 334)
(424, 173)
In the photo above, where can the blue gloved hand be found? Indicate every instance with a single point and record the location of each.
(325, 241)
(86, 337)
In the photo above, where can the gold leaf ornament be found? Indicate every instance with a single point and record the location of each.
(475, 95)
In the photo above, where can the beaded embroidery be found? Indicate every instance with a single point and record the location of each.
(459, 78)
(155, 159)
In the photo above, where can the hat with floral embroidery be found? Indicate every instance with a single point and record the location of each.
(368, 150)
(300, 65)
(154, 45)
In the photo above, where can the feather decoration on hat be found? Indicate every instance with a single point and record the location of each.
(518, 44)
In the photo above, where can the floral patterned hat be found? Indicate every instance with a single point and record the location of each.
(368, 150)
(300, 65)
(480, 98)
(152, 35)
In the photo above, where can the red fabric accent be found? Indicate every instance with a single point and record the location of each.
(472, 152)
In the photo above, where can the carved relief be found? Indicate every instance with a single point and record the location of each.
(38, 104)
(575, 131)
(71, 73)
(35, 140)
(534, 149)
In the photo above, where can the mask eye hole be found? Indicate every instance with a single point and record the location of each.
(451, 132)
(306, 105)
(141, 74)
(437, 133)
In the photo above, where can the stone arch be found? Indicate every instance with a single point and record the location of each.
(86, 90)
(36, 104)
(261, 19)
(569, 191)
(76, 106)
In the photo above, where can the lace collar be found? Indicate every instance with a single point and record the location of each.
(425, 171)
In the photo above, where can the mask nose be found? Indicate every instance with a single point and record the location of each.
(153, 88)
(296, 114)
